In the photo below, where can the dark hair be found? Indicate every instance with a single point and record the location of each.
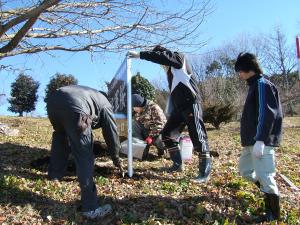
(247, 62)
(159, 48)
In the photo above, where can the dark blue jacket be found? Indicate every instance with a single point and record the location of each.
(262, 114)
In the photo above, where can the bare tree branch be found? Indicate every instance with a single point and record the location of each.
(19, 35)
(280, 56)
(35, 12)
(95, 25)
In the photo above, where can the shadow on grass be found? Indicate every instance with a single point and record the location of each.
(129, 210)
(45, 206)
(17, 159)
(25, 161)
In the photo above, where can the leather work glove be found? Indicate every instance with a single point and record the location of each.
(149, 140)
(258, 149)
(133, 54)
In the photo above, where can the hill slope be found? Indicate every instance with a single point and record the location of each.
(153, 196)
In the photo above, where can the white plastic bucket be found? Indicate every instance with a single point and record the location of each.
(138, 147)
(186, 148)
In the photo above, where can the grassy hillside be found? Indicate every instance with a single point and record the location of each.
(153, 196)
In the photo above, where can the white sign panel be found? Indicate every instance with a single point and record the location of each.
(117, 91)
(119, 95)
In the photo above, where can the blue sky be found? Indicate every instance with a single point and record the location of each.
(230, 19)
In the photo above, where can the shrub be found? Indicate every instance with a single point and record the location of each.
(142, 86)
(57, 81)
(218, 113)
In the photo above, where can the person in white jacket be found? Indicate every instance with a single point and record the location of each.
(186, 100)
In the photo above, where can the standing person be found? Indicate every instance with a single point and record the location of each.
(73, 112)
(149, 120)
(186, 100)
(261, 127)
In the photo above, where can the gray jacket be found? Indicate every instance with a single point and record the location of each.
(94, 106)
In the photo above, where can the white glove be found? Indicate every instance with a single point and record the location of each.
(258, 149)
(133, 54)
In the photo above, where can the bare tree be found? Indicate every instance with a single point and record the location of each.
(96, 25)
(219, 84)
(279, 56)
(279, 59)
(224, 57)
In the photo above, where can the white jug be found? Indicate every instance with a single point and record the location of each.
(186, 148)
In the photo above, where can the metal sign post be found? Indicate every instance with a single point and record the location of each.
(119, 94)
(129, 118)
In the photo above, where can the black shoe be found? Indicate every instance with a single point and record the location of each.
(204, 168)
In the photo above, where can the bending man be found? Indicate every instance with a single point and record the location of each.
(73, 112)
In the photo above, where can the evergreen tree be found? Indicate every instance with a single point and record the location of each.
(142, 86)
(57, 81)
(23, 94)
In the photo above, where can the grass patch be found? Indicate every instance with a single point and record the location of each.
(27, 197)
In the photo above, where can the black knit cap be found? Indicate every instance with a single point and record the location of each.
(138, 100)
(159, 48)
(246, 62)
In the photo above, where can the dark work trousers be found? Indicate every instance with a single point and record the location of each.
(68, 129)
(192, 117)
(139, 131)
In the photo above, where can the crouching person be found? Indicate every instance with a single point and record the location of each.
(261, 127)
(149, 120)
(73, 112)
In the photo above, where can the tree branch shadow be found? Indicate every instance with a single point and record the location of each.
(16, 160)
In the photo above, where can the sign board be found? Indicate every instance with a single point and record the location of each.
(119, 95)
(117, 91)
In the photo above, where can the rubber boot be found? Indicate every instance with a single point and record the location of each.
(160, 146)
(146, 152)
(272, 209)
(204, 167)
(177, 162)
(274, 205)
(257, 184)
(160, 152)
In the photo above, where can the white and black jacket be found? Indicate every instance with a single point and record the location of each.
(182, 83)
